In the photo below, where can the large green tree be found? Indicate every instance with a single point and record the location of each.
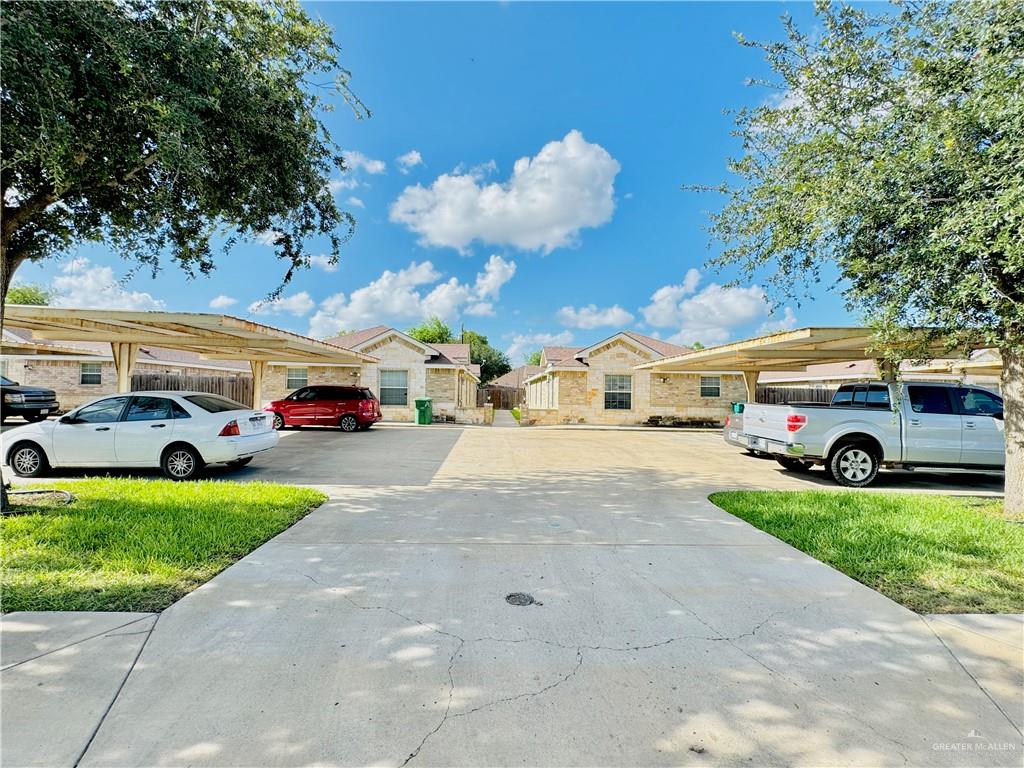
(29, 293)
(163, 127)
(493, 362)
(433, 330)
(894, 150)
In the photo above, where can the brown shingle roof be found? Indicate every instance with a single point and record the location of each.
(663, 348)
(454, 353)
(516, 376)
(557, 354)
(355, 338)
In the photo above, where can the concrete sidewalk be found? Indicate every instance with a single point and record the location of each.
(665, 632)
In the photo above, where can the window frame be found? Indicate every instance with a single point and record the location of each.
(98, 373)
(76, 414)
(288, 377)
(950, 400)
(382, 397)
(717, 386)
(963, 391)
(617, 393)
(126, 415)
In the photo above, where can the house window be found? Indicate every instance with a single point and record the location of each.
(394, 387)
(297, 377)
(710, 386)
(90, 373)
(618, 393)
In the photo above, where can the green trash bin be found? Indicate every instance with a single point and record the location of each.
(424, 410)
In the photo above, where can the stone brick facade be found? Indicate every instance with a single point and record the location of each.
(578, 396)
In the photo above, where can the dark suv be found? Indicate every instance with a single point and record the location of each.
(31, 403)
(349, 408)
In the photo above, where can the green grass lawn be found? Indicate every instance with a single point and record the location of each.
(137, 545)
(933, 554)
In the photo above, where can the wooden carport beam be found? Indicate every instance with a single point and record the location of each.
(124, 361)
(258, 367)
(750, 380)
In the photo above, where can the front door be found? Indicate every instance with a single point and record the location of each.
(984, 439)
(144, 432)
(932, 426)
(86, 436)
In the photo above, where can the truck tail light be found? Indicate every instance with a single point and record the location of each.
(795, 422)
(728, 421)
(230, 429)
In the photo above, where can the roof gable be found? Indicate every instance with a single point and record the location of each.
(369, 337)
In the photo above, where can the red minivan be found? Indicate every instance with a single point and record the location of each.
(349, 408)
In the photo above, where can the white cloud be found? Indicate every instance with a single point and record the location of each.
(525, 344)
(356, 201)
(710, 316)
(297, 304)
(222, 301)
(267, 236)
(323, 261)
(497, 272)
(83, 285)
(774, 324)
(410, 159)
(336, 185)
(403, 296)
(591, 316)
(549, 198)
(355, 160)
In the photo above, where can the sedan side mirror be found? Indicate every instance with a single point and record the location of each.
(68, 419)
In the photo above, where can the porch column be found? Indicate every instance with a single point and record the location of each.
(124, 361)
(258, 368)
(750, 380)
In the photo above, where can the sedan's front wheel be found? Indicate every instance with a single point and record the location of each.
(348, 423)
(181, 463)
(28, 460)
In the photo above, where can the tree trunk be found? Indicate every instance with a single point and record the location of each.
(7, 268)
(1012, 382)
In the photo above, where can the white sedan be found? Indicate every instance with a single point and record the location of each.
(180, 432)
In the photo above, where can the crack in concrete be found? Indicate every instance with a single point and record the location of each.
(104, 633)
(732, 641)
(973, 678)
(117, 693)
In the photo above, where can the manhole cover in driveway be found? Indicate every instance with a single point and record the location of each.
(520, 598)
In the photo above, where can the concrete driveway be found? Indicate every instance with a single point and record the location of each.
(376, 631)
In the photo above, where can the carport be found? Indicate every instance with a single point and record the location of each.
(786, 351)
(212, 336)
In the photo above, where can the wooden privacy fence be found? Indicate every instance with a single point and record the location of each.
(783, 395)
(502, 398)
(237, 388)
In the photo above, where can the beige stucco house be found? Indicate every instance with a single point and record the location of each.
(599, 384)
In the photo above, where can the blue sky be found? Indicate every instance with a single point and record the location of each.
(608, 109)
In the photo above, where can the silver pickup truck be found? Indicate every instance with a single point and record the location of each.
(874, 424)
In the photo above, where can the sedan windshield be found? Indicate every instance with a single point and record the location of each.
(215, 403)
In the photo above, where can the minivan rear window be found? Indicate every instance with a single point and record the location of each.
(216, 403)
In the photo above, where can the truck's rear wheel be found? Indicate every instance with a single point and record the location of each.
(854, 465)
(794, 465)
